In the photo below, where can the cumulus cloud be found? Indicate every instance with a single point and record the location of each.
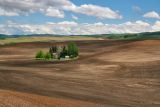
(52, 12)
(73, 28)
(7, 13)
(18, 6)
(54, 8)
(47, 7)
(68, 23)
(156, 26)
(98, 11)
(152, 14)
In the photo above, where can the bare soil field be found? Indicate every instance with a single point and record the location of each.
(107, 74)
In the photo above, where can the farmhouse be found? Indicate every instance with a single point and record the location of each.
(58, 51)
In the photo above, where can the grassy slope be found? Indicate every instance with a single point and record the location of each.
(139, 36)
(4, 39)
(44, 39)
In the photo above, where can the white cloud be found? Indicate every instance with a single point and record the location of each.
(98, 11)
(54, 13)
(73, 28)
(152, 14)
(48, 7)
(7, 13)
(54, 8)
(74, 17)
(132, 27)
(99, 24)
(141, 23)
(67, 23)
(156, 26)
(19, 6)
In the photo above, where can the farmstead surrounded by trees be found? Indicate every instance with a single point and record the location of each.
(59, 52)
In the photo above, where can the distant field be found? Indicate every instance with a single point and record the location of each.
(43, 39)
(6, 39)
(131, 36)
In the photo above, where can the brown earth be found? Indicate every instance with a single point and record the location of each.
(17, 99)
(107, 74)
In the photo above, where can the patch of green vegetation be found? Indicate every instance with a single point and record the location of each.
(40, 55)
(59, 52)
(72, 50)
(2, 37)
(48, 56)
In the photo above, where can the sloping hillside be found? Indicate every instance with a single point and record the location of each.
(130, 36)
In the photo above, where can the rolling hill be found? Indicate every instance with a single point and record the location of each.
(127, 36)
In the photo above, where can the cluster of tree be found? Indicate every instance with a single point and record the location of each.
(72, 50)
(58, 52)
(42, 55)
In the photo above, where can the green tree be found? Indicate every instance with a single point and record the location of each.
(48, 56)
(51, 52)
(54, 49)
(40, 55)
(72, 50)
(64, 52)
(76, 51)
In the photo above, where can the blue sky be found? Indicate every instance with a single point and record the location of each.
(125, 7)
(79, 16)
